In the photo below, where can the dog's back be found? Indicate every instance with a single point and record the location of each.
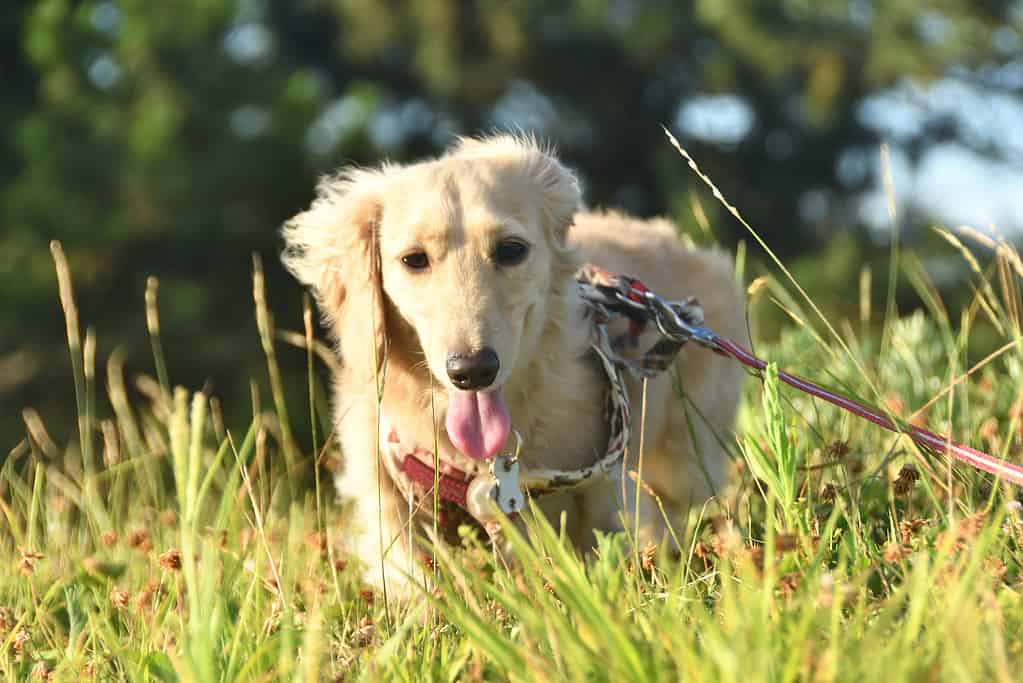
(689, 417)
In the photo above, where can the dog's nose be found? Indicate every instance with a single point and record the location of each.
(473, 371)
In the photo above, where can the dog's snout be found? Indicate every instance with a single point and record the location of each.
(473, 371)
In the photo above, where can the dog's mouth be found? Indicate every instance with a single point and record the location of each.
(477, 422)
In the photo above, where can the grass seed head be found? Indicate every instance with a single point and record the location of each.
(838, 449)
(428, 562)
(996, 568)
(907, 478)
(41, 671)
(19, 644)
(788, 584)
(140, 540)
(893, 552)
(829, 493)
(145, 599)
(27, 563)
(119, 599)
(171, 560)
(909, 528)
(648, 556)
(364, 634)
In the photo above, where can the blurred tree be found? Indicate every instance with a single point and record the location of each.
(173, 138)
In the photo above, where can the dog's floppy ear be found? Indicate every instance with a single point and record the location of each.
(559, 190)
(333, 248)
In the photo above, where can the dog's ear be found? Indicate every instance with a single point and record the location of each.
(333, 248)
(559, 189)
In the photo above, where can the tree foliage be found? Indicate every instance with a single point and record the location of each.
(172, 138)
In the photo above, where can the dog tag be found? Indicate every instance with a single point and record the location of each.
(509, 494)
(500, 490)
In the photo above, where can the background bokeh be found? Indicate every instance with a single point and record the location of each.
(173, 138)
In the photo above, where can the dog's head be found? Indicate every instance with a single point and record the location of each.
(462, 252)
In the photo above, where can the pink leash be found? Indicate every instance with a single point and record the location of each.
(676, 322)
(936, 442)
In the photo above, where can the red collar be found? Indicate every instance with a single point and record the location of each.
(450, 487)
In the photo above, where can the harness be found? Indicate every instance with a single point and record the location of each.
(503, 485)
(501, 488)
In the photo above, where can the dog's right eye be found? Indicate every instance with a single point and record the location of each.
(416, 260)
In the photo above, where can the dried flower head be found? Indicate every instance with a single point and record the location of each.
(108, 539)
(7, 620)
(428, 562)
(996, 568)
(364, 634)
(119, 599)
(971, 526)
(788, 584)
(21, 641)
(140, 540)
(495, 608)
(908, 529)
(27, 563)
(829, 494)
(146, 596)
(838, 449)
(171, 560)
(907, 478)
(367, 596)
(702, 551)
(893, 552)
(647, 557)
(41, 671)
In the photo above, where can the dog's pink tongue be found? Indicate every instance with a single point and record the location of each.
(478, 423)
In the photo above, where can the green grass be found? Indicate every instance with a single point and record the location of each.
(162, 544)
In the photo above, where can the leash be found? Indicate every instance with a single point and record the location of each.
(678, 324)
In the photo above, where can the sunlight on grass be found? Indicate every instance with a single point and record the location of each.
(162, 545)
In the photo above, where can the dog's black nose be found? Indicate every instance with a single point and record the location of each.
(473, 371)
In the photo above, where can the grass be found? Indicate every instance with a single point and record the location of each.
(164, 545)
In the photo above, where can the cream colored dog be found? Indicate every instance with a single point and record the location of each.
(448, 288)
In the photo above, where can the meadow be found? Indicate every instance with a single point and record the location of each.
(162, 544)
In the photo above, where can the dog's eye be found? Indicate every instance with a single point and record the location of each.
(511, 253)
(416, 260)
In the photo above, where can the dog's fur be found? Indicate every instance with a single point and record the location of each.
(394, 328)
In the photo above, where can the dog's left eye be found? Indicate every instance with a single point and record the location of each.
(416, 260)
(511, 253)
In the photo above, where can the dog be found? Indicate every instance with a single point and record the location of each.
(448, 288)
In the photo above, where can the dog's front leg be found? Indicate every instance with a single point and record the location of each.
(378, 530)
